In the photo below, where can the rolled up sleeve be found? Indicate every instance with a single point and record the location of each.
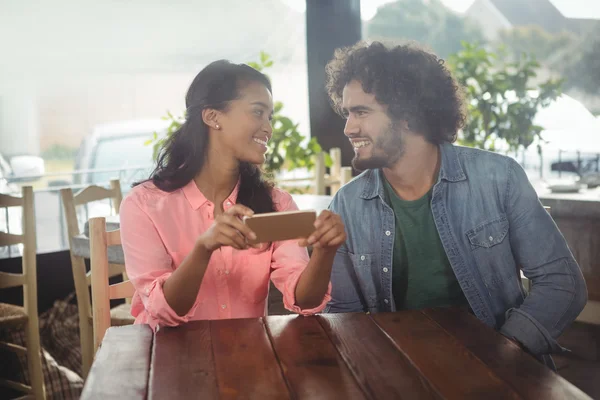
(148, 265)
(287, 264)
(558, 292)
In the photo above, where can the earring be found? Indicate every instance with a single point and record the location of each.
(217, 126)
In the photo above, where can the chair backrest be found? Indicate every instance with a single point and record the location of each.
(102, 291)
(70, 203)
(28, 277)
(82, 279)
(87, 195)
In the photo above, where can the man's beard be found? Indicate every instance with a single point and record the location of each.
(386, 151)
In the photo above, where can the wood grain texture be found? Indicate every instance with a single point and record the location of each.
(245, 362)
(381, 370)
(10, 201)
(182, 363)
(311, 364)
(528, 377)
(122, 364)
(92, 193)
(9, 239)
(435, 353)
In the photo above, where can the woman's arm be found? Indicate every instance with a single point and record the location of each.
(169, 294)
(181, 288)
(304, 282)
(314, 281)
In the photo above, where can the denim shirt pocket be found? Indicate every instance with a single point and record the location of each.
(363, 263)
(491, 250)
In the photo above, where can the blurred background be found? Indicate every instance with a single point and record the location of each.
(85, 85)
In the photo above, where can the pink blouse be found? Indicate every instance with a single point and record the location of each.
(158, 230)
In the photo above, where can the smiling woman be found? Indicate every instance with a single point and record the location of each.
(228, 110)
(186, 248)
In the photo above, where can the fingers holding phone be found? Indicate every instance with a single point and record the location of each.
(228, 229)
(329, 233)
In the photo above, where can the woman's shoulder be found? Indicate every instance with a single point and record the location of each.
(282, 200)
(145, 194)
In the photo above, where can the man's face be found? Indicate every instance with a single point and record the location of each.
(377, 141)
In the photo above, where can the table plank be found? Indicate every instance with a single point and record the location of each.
(435, 353)
(382, 371)
(245, 362)
(182, 363)
(120, 369)
(311, 364)
(531, 379)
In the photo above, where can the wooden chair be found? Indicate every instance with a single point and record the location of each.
(102, 292)
(26, 316)
(121, 314)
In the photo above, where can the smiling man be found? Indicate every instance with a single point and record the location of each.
(431, 224)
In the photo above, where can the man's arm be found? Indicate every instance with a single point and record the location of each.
(558, 291)
(345, 290)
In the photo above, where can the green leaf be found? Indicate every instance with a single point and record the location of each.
(493, 117)
(277, 107)
(254, 65)
(264, 57)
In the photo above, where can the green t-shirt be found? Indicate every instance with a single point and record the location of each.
(421, 273)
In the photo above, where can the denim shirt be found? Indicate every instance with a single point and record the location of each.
(491, 224)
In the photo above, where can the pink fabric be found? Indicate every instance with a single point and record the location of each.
(159, 229)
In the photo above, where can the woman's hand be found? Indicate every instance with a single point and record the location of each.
(329, 233)
(228, 230)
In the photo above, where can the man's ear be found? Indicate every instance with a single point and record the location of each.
(210, 117)
(404, 126)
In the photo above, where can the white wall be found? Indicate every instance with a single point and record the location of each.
(19, 122)
(88, 62)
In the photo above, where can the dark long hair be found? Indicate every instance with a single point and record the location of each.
(183, 154)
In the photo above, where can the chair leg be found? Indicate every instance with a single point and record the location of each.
(86, 337)
(597, 340)
(34, 358)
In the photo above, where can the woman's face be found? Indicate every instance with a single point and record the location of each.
(246, 124)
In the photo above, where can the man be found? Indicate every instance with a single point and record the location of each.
(431, 224)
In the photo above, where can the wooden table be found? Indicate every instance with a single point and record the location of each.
(431, 354)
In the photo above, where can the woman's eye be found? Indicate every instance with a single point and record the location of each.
(259, 112)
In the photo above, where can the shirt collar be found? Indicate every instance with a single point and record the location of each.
(450, 170)
(197, 199)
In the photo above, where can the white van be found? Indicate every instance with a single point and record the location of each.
(117, 150)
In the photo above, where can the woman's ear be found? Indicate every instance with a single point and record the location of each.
(210, 117)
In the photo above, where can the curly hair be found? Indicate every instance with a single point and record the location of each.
(413, 83)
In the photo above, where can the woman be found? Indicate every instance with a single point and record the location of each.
(185, 246)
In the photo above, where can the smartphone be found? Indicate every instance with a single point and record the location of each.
(284, 225)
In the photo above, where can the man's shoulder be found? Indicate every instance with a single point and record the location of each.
(353, 190)
(485, 162)
(480, 155)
